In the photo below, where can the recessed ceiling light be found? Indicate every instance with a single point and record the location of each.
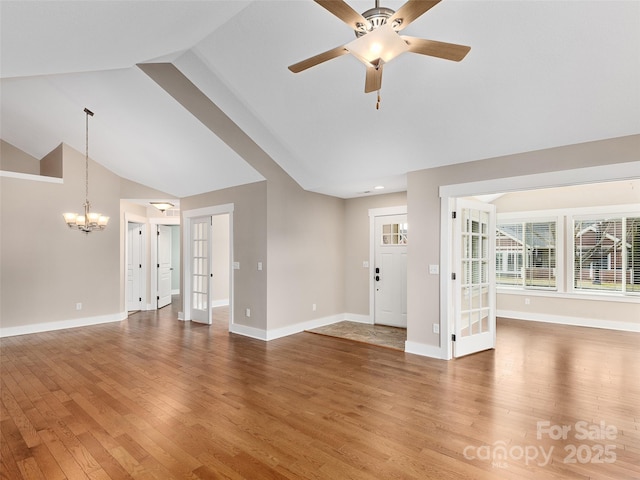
(378, 187)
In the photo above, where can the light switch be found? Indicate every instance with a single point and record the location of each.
(236, 265)
(365, 264)
(434, 269)
(259, 265)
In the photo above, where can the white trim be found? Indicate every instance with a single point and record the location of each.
(31, 177)
(267, 335)
(373, 213)
(302, 326)
(61, 325)
(247, 331)
(560, 178)
(447, 206)
(357, 318)
(596, 296)
(573, 321)
(425, 350)
(164, 220)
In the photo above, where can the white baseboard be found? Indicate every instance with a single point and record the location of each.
(574, 321)
(356, 317)
(223, 302)
(247, 331)
(61, 325)
(424, 350)
(275, 333)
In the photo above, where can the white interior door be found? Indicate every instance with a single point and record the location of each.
(201, 270)
(390, 271)
(474, 284)
(135, 277)
(164, 265)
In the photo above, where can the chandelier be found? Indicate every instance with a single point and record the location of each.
(90, 221)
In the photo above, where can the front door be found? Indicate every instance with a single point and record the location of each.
(390, 270)
(474, 283)
(201, 270)
(164, 266)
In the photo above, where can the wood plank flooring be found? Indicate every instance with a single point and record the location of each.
(155, 398)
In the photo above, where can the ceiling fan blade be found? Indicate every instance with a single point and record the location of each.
(344, 12)
(317, 59)
(448, 51)
(373, 81)
(411, 10)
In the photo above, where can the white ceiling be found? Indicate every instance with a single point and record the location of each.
(539, 74)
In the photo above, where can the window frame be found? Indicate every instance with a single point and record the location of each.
(528, 218)
(604, 214)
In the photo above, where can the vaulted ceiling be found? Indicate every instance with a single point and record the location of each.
(539, 74)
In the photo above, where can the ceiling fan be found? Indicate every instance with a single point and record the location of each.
(378, 41)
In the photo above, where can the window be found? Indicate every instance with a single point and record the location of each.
(394, 234)
(606, 254)
(526, 254)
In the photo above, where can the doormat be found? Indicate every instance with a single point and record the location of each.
(381, 335)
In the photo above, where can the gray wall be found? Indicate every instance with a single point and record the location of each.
(48, 268)
(357, 244)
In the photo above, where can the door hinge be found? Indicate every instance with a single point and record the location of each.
(453, 337)
(453, 214)
(139, 232)
(453, 276)
(139, 299)
(158, 233)
(139, 265)
(158, 297)
(158, 266)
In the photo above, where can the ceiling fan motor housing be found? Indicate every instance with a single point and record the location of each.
(376, 17)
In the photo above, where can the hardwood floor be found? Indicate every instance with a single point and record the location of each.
(155, 398)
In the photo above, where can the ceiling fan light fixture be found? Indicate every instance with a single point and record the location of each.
(382, 43)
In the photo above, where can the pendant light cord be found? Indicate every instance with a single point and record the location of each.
(86, 155)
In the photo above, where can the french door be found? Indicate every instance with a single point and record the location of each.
(474, 281)
(201, 270)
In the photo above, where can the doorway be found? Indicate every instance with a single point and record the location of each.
(165, 260)
(388, 279)
(207, 262)
(134, 265)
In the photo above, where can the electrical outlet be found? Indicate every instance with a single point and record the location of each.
(436, 328)
(247, 312)
(259, 265)
(527, 301)
(78, 306)
(313, 307)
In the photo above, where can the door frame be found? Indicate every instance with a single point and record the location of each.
(142, 221)
(373, 213)
(154, 222)
(448, 193)
(188, 216)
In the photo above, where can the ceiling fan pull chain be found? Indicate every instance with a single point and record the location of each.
(378, 102)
